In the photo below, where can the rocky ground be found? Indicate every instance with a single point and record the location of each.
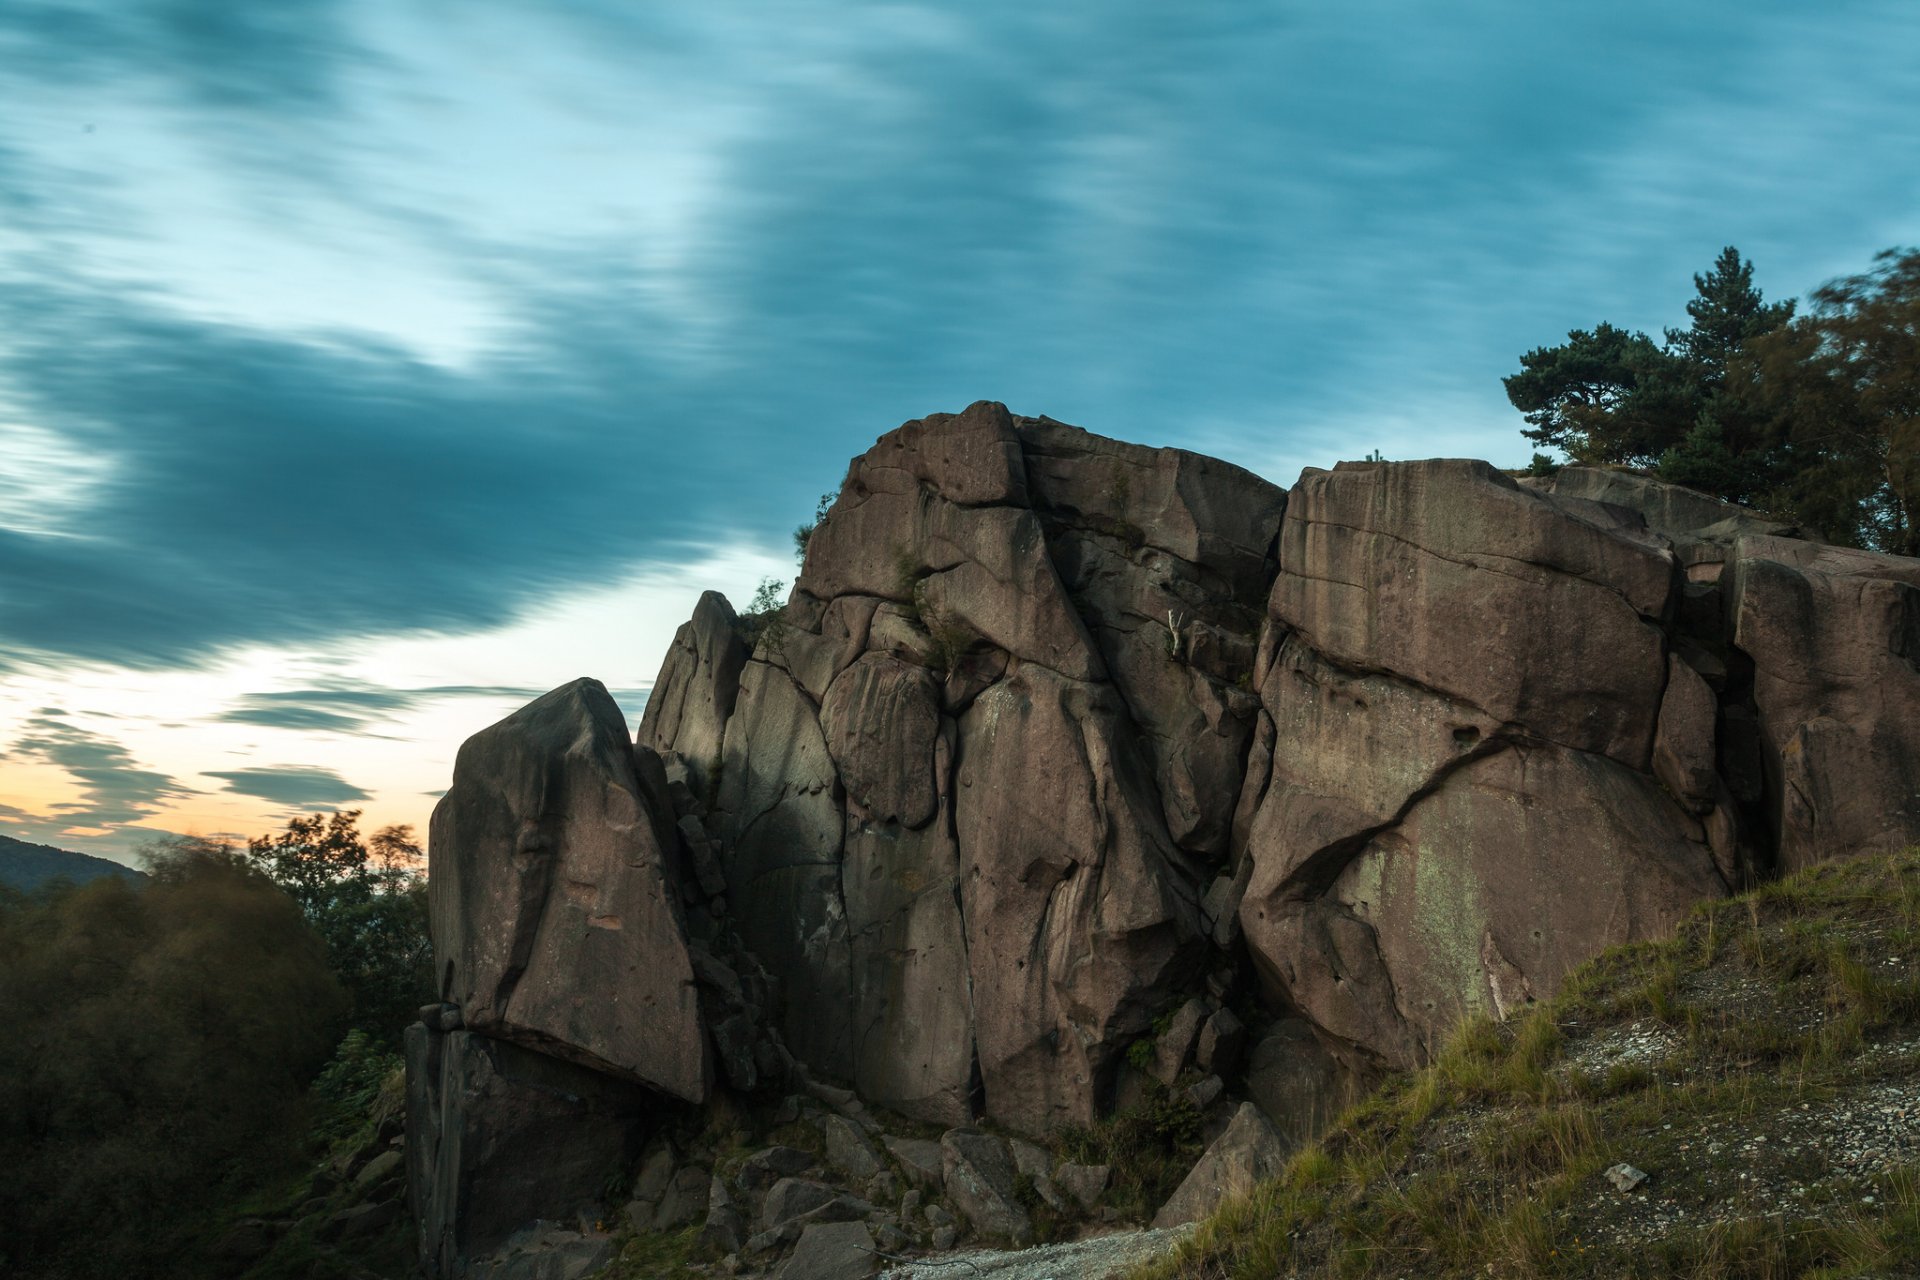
(1761, 1070)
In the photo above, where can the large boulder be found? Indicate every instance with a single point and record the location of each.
(1248, 1153)
(1461, 799)
(553, 923)
(1833, 636)
(1062, 746)
(691, 700)
(499, 1137)
(891, 853)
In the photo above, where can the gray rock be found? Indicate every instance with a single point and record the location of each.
(1222, 1039)
(1030, 1159)
(362, 1220)
(725, 1228)
(547, 1251)
(500, 1135)
(942, 1239)
(1625, 1177)
(919, 1159)
(848, 1148)
(979, 1177)
(377, 1170)
(549, 895)
(685, 1198)
(831, 1251)
(1086, 1183)
(1247, 1153)
(790, 1197)
(795, 1202)
(1202, 1093)
(765, 1167)
(1171, 1047)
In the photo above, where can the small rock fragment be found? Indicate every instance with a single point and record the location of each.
(1625, 1177)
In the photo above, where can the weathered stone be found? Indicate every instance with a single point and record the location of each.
(684, 1199)
(1075, 926)
(831, 1251)
(1086, 1183)
(377, 1170)
(979, 1176)
(848, 1149)
(919, 1159)
(912, 1003)
(780, 813)
(500, 1135)
(1299, 1083)
(801, 1200)
(1029, 1159)
(1625, 1177)
(694, 695)
(725, 1228)
(880, 719)
(1171, 1047)
(1454, 578)
(1834, 636)
(1222, 1039)
(547, 1251)
(553, 923)
(767, 1166)
(1249, 1152)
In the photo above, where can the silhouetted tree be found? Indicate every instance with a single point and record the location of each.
(366, 899)
(158, 1039)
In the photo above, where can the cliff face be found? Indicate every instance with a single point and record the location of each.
(1062, 740)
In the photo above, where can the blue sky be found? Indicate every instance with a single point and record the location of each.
(366, 367)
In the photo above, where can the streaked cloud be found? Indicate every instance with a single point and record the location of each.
(115, 788)
(291, 785)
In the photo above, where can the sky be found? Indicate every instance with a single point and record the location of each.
(368, 368)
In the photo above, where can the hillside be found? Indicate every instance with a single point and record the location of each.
(26, 866)
(1761, 1068)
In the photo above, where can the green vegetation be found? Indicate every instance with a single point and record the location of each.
(163, 1035)
(368, 901)
(804, 533)
(1747, 1065)
(158, 1040)
(1150, 1145)
(1815, 417)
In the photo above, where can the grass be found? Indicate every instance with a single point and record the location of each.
(1715, 1060)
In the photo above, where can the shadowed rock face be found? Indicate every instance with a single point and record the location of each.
(553, 923)
(971, 791)
(1060, 740)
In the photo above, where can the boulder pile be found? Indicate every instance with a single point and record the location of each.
(1077, 775)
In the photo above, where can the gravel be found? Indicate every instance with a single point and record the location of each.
(1095, 1258)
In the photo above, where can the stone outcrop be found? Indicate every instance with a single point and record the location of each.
(556, 926)
(975, 935)
(1076, 774)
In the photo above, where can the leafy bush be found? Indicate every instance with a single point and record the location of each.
(158, 1039)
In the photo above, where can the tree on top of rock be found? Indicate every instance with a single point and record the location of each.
(1607, 395)
(1811, 417)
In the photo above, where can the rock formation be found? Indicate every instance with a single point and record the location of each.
(1073, 770)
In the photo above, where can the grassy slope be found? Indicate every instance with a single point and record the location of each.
(1762, 1067)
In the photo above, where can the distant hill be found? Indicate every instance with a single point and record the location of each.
(28, 866)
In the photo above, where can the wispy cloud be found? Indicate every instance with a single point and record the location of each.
(291, 785)
(116, 789)
(350, 708)
(1264, 232)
